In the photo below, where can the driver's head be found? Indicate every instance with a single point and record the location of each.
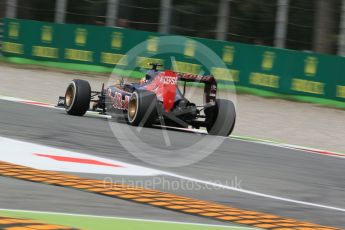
(152, 73)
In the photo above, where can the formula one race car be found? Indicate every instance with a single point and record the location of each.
(157, 99)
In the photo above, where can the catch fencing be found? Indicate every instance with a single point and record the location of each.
(252, 67)
(1, 33)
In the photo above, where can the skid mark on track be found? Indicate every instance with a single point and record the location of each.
(8, 223)
(158, 199)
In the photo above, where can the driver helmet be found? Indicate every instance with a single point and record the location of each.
(150, 74)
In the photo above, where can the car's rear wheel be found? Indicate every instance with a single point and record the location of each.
(142, 108)
(77, 97)
(221, 118)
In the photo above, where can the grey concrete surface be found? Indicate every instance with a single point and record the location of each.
(285, 121)
(267, 169)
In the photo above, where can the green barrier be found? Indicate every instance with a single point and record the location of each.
(283, 72)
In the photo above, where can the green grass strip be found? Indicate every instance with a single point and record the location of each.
(105, 223)
(253, 139)
(59, 65)
(73, 67)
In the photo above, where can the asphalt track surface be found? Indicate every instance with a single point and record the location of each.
(23, 195)
(261, 168)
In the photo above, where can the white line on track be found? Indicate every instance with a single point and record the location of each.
(162, 172)
(296, 148)
(259, 194)
(46, 105)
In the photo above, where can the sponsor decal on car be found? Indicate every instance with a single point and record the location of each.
(169, 80)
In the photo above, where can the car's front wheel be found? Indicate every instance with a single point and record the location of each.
(77, 97)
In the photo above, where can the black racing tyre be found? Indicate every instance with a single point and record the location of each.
(142, 108)
(221, 118)
(77, 97)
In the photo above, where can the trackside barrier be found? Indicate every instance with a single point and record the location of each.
(1, 33)
(281, 71)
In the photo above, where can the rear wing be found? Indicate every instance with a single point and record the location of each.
(188, 77)
(210, 88)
